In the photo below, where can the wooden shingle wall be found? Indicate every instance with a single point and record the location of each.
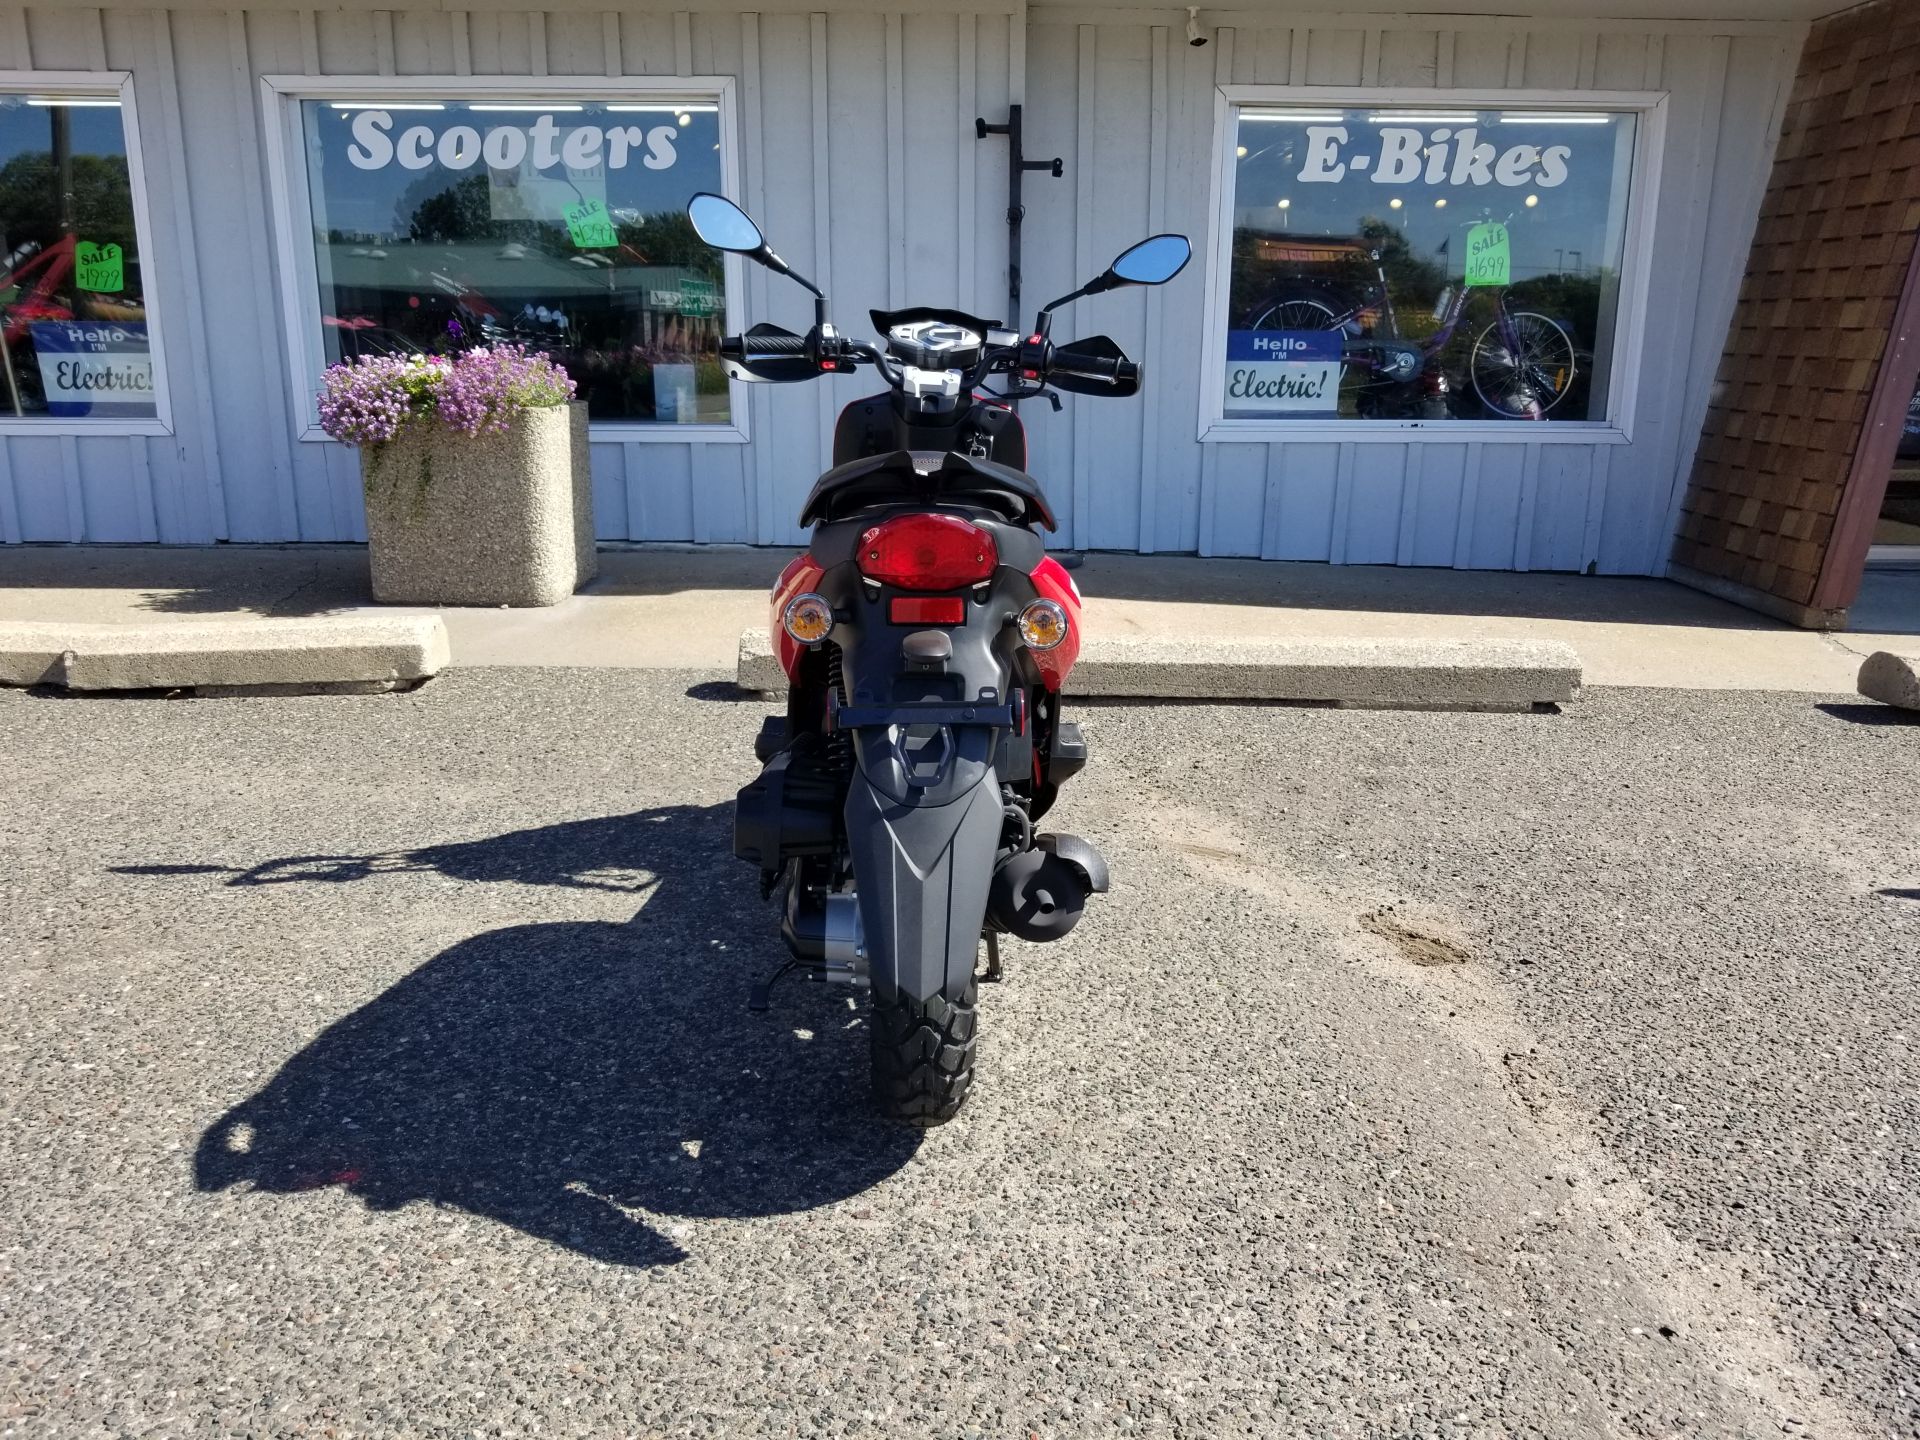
(1835, 240)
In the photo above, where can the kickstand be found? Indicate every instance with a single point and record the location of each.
(761, 996)
(992, 975)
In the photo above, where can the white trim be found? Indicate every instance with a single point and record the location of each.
(287, 182)
(1505, 19)
(1636, 265)
(1400, 432)
(118, 84)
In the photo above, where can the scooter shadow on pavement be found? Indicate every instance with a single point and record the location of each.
(580, 1081)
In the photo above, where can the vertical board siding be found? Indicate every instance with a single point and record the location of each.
(1335, 57)
(1121, 145)
(1561, 506)
(916, 215)
(1437, 500)
(498, 42)
(810, 146)
(1409, 57)
(41, 485)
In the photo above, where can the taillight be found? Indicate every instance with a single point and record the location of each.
(927, 552)
(927, 610)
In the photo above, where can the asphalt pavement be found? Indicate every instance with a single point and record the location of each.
(381, 1066)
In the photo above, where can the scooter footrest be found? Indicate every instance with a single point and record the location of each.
(772, 738)
(1068, 756)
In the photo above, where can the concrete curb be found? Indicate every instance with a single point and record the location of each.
(362, 652)
(1892, 679)
(1438, 673)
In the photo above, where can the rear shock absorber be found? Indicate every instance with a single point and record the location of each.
(840, 743)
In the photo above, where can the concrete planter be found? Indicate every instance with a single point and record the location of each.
(482, 520)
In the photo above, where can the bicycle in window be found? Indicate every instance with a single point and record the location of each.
(1522, 364)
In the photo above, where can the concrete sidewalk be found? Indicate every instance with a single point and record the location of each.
(687, 609)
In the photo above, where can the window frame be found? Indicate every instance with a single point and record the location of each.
(287, 183)
(1636, 267)
(102, 85)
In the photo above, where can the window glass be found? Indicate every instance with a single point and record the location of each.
(440, 225)
(71, 285)
(1433, 264)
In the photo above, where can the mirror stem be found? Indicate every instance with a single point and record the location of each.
(773, 262)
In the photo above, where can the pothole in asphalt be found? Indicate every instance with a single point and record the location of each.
(1415, 945)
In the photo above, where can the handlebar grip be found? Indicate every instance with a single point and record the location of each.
(747, 347)
(1093, 367)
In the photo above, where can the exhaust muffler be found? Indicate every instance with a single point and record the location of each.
(1040, 894)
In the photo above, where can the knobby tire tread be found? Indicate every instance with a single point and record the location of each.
(923, 1052)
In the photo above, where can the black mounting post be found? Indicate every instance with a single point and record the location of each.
(1017, 166)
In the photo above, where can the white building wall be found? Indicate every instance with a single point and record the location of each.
(1132, 107)
(859, 157)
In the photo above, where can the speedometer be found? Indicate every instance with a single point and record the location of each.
(935, 344)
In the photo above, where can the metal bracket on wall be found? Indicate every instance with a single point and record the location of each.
(1017, 167)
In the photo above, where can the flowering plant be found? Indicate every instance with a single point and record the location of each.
(366, 400)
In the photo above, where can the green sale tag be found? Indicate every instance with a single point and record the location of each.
(99, 267)
(1489, 255)
(590, 225)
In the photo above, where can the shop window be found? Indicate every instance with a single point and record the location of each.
(73, 285)
(440, 223)
(1425, 264)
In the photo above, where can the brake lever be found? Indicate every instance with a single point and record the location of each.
(1029, 392)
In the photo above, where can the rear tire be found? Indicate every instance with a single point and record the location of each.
(923, 1055)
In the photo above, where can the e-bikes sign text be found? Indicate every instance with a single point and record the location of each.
(1403, 155)
(1283, 372)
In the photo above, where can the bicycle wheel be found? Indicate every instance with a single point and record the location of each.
(1299, 313)
(1526, 380)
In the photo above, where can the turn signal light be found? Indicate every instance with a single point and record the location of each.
(808, 618)
(927, 552)
(1043, 624)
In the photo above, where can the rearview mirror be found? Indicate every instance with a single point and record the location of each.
(724, 225)
(1152, 262)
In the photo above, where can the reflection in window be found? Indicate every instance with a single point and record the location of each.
(559, 225)
(1900, 511)
(1432, 264)
(72, 297)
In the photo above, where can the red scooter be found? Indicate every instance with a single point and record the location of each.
(925, 636)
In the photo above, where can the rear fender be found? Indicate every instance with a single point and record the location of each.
(922, 873)
(924, 815)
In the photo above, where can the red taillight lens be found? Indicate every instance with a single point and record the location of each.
(927, 552)
(927, 610)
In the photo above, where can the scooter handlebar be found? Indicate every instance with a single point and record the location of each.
(1115, 370)
(745, 347)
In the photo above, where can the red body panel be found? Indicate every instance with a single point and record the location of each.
(1050, 581)
(1053, 582)
(800, 576)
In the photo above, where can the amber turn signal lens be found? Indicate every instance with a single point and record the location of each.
(1043, 624)
(808, 618)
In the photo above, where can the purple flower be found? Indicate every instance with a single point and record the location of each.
(366, 400)
(486, 388)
